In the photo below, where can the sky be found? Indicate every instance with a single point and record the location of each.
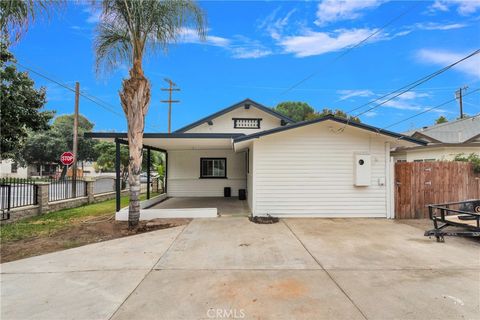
(274, 51)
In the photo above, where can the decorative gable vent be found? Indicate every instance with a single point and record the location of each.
(246, 123)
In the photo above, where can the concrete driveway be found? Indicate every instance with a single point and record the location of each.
(232, 268)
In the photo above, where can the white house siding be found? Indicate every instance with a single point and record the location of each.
(6, 170)
(184, 172)
(224, 123)
(440, 154)
(250, 177)
(309, 171)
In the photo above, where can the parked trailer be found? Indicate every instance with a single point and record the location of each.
(454, 219)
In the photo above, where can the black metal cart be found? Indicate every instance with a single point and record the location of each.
(455, 219)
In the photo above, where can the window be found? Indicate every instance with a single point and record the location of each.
(213, 168)
(246, 123)
(14, 167)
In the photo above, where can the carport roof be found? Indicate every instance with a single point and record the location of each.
(173, 141)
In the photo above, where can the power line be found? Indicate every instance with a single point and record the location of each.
(103, 104)
(429, 109)
(410, 86)
(341, 55)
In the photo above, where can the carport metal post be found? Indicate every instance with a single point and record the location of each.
(117, 174)
(165, 173)
(148, 173)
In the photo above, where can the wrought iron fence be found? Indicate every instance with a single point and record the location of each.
(66, 188)
(17, 192)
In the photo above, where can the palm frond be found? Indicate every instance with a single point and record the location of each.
(143, 24)
(112, 46)
(16, 15)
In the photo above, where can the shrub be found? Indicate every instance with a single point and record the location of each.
(473, 158)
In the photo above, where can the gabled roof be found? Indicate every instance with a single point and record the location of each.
(458, 131)
(233, 107)
(332, 118)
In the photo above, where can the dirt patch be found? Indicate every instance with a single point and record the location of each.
(80, 233)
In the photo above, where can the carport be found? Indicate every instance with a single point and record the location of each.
(187, 192)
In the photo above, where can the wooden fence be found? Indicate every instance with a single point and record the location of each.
(418, 184)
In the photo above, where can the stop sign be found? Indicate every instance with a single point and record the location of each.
(66, 158)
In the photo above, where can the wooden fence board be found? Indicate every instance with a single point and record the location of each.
(418, 184)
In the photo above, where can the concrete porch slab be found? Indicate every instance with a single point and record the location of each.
(248, 294)
(413, 294)
(133, 252)
(236, 243)
(66, 295)
(225, 206)
(365, 244)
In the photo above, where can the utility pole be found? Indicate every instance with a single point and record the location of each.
(75, 140)
(170, 88)
(458, 95)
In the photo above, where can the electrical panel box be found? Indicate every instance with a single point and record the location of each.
(363, 170)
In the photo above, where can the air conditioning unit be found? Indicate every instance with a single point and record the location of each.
(362, 170)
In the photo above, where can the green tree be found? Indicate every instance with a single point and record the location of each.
(295, 110)
(21, 106)
(301, 111)
(106, 153)
(63, 126)
(16, 15)
(42, 148)
(441, 119)
(45, 147)
(338, 113)
(473, 158)
(125, 32)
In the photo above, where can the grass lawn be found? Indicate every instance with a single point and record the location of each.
(51, 222)
(70, 228)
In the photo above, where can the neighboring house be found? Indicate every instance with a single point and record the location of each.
(328, 167)
(10, 169)
(445, 141)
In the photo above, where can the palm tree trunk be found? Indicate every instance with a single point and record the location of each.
(135, 98)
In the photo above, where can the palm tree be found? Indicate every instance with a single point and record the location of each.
(16, 15)
(126, 30)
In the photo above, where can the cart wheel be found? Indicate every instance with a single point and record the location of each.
(440, 239)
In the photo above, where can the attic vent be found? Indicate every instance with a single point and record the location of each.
(246, 123)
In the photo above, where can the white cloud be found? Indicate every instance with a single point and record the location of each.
(240, 47)
(315, 43)
(410, 95)
(347, 94)
(329, 11)
(250, 53)
(188, 35)
(93, 15)
(464, 7)
(470, 66)
(439, 26)
(275, 26)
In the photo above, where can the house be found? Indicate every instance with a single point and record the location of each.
(328, 167)
(444, 141)
(11, 169)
